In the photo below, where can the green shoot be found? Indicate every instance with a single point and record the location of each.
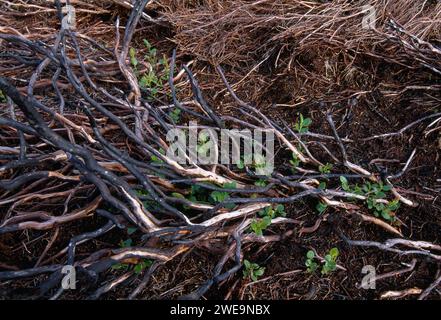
(144, 264)
(295, 162)
(252, 270)
(258, 225)
(302, 124)
(2, 97)
(310, 263)
(330, 261)
(175, 115)
(260, 183)
(326, 168)
(321, 207)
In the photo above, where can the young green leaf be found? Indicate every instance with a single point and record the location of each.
(321, 207)
(131, 230)
(344, 183)
(132, 55)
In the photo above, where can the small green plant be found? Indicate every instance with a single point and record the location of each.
(197, 194)
(2, 97)
(138, 268)
(150, 81)
(204, 143)
(141, 265)
(260, 183)
(375, 192)
(258, 225)
(311, 265)
(330, 261)
(151, 52)
(326, 168)
(244, 161)
(241, 164)
(156, 159)
(177, 195)
(252, 270)
(259, 162)
(230, 185)
(267, 214)
(126, 243)
(202, 195)
(280, 210)
(220, 196)
(144, 264)
(328, 266)
(277, 211)
(123, 244)
(131, 230)
(295, 162)
(385, 210)
(175, 115)
(158, 72)
(132, 56)
(302, 124)
(376, 201)
(344, 183)
(151, 205)
(321, 207)
(120, 266)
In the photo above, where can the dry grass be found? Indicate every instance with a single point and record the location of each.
(318, 44)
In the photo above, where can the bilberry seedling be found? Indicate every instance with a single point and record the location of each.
(330, 261)
(267, 214)
(2, 97)
(158, 73)
(321, 207)
(295, 162)
(310, 263)
(133, 60)
(156, 159)
(143, 264)
(258, 225)
(326, 168)
(302, 124)
(252, 270)
(344, 183)
(260, 183)
(140, 266)
(373, 193)
(175, 115)
(219, 196)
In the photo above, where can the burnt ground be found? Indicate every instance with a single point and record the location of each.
(282, 94)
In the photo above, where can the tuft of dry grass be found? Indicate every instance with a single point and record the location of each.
(320, 46)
